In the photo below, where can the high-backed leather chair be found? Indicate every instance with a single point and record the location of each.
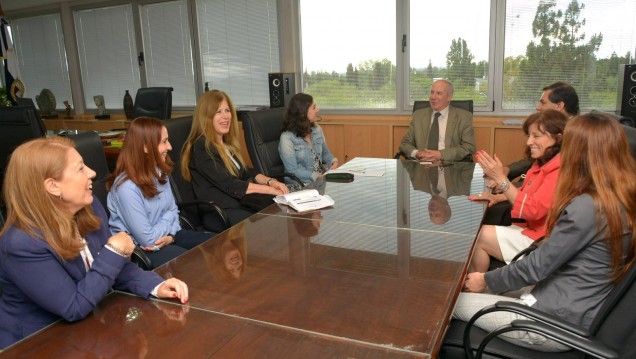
(196, 214)
(611, 335)
(90, 147)
(18, 124)
(630, 132)
(463, 104)
(153, 102)
(262, 134)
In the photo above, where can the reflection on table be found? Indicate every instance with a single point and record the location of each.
(371, 277)
(124, 326)
(400, 198)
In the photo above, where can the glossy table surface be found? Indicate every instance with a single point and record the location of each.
(373, 276)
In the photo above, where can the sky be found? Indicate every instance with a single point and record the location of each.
(371, 28)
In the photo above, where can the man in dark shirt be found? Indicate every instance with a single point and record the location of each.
(559, 96)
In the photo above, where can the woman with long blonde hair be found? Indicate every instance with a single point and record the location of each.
(57, 257)
(211, 159)
(590, 242)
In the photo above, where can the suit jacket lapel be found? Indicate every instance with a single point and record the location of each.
(426, 127)
(451, 123)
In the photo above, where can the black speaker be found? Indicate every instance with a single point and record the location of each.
(282, 87)
(626, 103)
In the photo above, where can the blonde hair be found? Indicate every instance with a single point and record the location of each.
(206, 109)
(31, 208)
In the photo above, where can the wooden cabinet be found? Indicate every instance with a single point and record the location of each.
(334, 135)
(509, 144)
(348, 141)
(350, 136)
(398, 135)
(379, 136)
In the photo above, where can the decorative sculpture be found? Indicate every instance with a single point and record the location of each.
(46, 103)
(101, 107)
(68, 110)
(128, 105)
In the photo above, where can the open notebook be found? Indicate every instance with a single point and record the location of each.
(305, 200)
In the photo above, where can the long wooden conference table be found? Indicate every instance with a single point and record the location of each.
(374, 276)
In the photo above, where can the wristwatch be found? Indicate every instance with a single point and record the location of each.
(503, 186)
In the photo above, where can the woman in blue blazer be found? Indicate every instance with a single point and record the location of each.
(57, 256)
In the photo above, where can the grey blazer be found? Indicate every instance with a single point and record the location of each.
(570, 269)
(460, 135)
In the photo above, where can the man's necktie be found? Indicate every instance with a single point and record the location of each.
(433, 136)
(433, 176)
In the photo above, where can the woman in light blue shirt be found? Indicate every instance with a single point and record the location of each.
(140, 199)
(302, 146)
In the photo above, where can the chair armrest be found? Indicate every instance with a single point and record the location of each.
(295, 178)
(541, 317)
(524, 310)
(140, 258)
(281, 177)
(590, 346)
(219, 211)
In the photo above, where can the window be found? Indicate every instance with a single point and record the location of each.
(107, 54)
(348, 52)
(167, 50)
(451, 42)
(580, 42)
(39, 45)
(239, 47)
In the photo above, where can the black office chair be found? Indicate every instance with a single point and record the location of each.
(262, 134)
(197, 215)
(463, 104)
(18, 124)
(90, 147)
(153, 102)
(612, 333)
(418, 105)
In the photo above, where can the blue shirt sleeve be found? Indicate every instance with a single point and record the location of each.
(146, 219)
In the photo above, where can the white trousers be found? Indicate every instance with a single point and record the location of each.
(470, 303)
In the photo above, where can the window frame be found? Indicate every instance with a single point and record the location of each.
(288, 13)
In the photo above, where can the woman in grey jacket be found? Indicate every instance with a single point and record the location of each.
(590, 241)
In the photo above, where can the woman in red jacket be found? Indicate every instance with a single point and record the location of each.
(531, 202)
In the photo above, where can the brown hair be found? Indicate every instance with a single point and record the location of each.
(596, 160)
(207, 106)
(307, 224)
(143, 135)
(296, 120)
(34, 210)
(549, 122)
(234, 238)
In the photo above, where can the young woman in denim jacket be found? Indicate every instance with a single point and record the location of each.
(302, 146)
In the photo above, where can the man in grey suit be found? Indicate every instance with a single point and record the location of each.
(452, 127)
